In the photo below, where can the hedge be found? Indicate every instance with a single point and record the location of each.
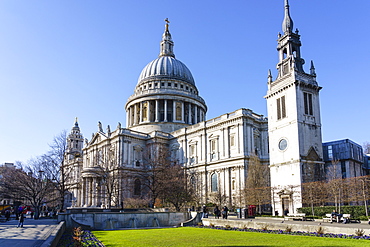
(355, 211)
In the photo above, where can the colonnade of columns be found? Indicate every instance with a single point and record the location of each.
(93, 194)
(163, 110)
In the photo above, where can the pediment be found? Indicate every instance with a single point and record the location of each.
(312, 155)
(97, 137)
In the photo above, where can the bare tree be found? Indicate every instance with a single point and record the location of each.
(335, 183)
(156, 162)
(53, 165)
(314, 194)
(109, 173)
(218, 197)
(28, 184)
(257, 190)
(366, 147)
(176, 190)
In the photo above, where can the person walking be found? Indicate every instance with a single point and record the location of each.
(21, 220)
(225, 210)
(216, 212)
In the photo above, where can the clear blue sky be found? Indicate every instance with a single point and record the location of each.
(65, 59)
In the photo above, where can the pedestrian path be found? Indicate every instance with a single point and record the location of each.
(33, 233)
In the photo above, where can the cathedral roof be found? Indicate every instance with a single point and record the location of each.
(166, 66)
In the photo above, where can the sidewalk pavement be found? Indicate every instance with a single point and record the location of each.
(33, 233)
(318, 222)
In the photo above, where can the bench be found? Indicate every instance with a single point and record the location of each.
(301, 216)
(345, 217)
(327, 218)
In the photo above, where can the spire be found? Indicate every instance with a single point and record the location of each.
(312, 69)
(76, 127)
(166, 43)
(288, 22)
(269, 80)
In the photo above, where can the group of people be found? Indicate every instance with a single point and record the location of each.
(216, 211)
(338, 217)
(224, 212)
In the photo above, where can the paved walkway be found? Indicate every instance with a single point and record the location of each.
(318, 222)
(33, 233)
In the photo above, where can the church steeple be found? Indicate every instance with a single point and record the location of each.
(289, 45)
(74, 142)
(288, 22)
(167, 43)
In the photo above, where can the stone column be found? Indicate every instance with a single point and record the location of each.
(165, 110)
(195, 114)
(148, 111)
(174, 111)
(141, 112)
(89, 192)
(128, 117)
(83, 194)
(135, 114)
(182, 112)
(190, 113)
(156, 110)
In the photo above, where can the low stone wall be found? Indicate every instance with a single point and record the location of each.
(304, 226)
(54, 237)
(116, 220)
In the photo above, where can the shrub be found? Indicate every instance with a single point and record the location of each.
(360, 232)
(265, 227)
(320, 230)
(288, 229)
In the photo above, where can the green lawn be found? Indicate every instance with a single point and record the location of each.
(187, 236)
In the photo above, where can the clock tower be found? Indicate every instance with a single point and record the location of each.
(294, 124)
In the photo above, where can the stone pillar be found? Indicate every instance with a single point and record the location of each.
(83, 194)
(156, 110)
(174, 111)
(128, 117)
(190, 122)
(165, 110)
(182, 112)
(135, 114)
(141, 112)
(195, 114)
(148, 111)
(89, 192)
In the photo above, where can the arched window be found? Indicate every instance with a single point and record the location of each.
(214, 183)
(137, 187)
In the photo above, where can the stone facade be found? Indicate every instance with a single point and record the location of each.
(216, 153)
(295, 140)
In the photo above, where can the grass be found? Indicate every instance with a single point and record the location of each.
(188, 236)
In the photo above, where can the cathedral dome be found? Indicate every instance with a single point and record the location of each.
(165, 98)
(166, 67)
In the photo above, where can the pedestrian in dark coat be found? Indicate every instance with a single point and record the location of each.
(225, 211)
(21, 220)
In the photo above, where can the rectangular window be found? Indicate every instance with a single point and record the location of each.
(330, 152)
(281, 110)
(308, 109)
(232, 140)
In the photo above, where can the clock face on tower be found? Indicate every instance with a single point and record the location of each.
(283, 144)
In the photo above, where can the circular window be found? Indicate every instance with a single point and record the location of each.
(283, 144)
